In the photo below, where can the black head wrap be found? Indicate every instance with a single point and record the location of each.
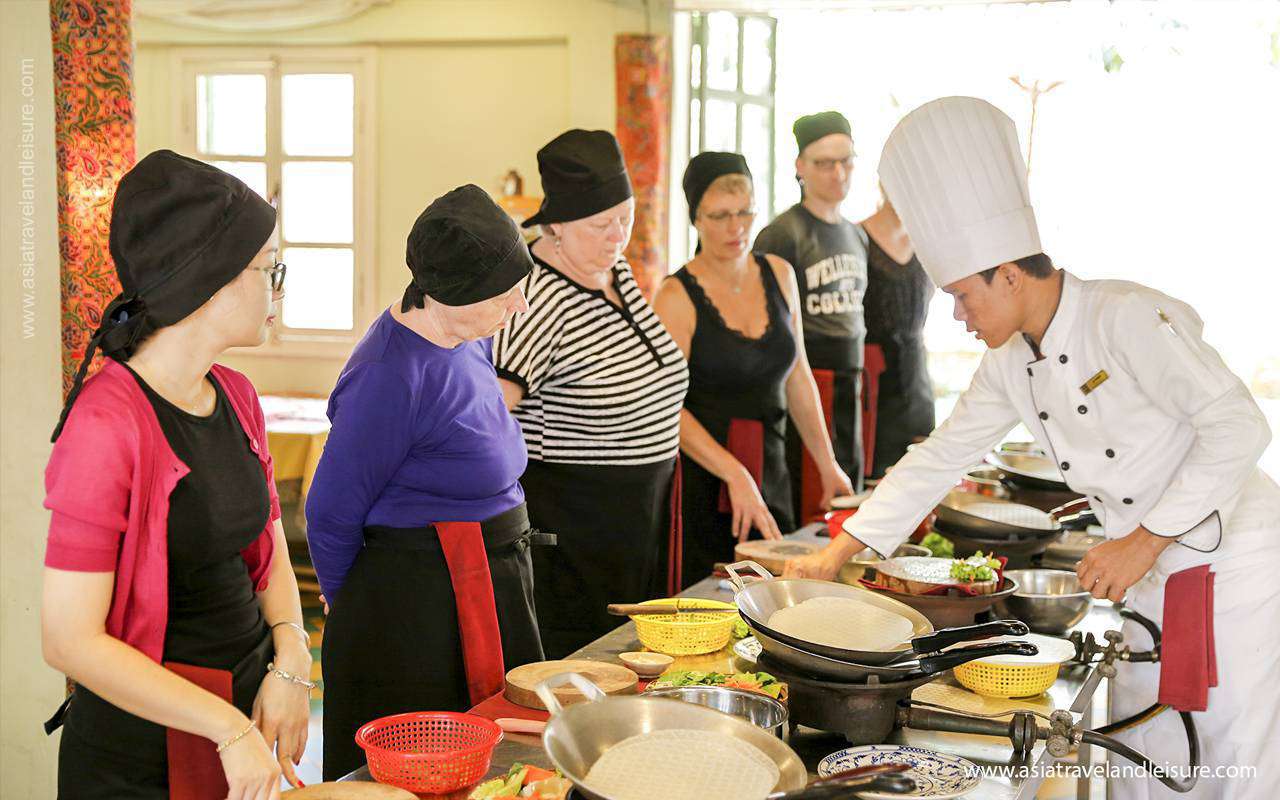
(815, 126)
(582, 174)
(703, 170)
(463, 249)
(180, 231)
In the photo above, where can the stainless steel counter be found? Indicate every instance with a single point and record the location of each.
(1007, 777)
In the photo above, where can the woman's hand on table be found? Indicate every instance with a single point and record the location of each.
(282, 709)
(252, 772)
(749, 509)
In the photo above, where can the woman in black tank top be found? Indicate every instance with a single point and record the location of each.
(734, 315)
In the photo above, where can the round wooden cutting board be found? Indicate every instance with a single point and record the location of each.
(611, 678)
(348, 790)
(772, 554)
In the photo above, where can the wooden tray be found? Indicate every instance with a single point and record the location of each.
(611, 678)
(772, 554)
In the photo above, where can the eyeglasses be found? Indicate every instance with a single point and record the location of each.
(276, 273)
(721, 217)
(829, 164)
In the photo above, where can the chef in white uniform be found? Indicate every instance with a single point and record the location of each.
(1115, 383)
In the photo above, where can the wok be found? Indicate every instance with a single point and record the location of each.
(759, 599)
(578, 735)
(1028, 468)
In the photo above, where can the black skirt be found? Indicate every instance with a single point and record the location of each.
(611, 524)
(391, 642)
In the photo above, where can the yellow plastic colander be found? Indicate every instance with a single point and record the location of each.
(685, 634)
(1006, 680)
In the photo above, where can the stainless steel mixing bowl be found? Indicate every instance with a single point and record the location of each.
(1048, 600)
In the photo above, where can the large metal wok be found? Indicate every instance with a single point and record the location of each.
(758, 600)
(1029, 468)
(991, 518)
(576, 736)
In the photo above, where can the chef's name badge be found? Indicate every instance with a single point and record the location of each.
(1094, 382)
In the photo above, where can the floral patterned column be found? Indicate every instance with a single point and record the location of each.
(93, 109)
(643, 65)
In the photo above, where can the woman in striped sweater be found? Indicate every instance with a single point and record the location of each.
(597, 386)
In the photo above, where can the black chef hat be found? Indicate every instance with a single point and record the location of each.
(582, 174)
(702, 171)
(463, 249)
(180, 231)
(813, 127)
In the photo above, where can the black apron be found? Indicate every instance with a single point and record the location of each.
(611, 524)
(391, 640)
(733, 377)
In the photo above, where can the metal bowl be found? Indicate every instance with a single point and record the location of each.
(1048, 600)
(759, 709)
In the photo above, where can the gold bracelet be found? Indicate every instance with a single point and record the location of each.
(236, 738)
(290, 677)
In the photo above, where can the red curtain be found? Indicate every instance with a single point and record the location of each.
(643, 65)
(93, 113)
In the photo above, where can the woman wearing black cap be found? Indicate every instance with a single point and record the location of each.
(736, 314)
(416, 519)
(597, 385)
(168, 593)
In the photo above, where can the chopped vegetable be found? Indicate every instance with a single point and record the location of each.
(939, 545)
(761, 682)
(740, 629)
(533, 774)
(977, 568)
(522, 781)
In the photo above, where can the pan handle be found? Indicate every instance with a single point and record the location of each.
(1075, 515)
(580, 682)
(738, 582)
(968, 633)
(842, 788)
(932, 665)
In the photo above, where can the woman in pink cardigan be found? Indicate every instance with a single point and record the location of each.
(168, 593)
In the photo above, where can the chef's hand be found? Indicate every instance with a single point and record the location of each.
(822, 565)
(749, 510)
(835, 483)
(282, 710)
(252, 773)
(1109, 569)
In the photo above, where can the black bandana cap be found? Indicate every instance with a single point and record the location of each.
(583, 173)
(463, 249)
(815, 126)
(703, 170)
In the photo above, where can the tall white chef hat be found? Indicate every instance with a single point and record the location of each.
(954, 172)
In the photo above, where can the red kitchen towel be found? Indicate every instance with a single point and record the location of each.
(499, 707)
(1188, 661)
(746, 443)
(195, 769)
(464, 553)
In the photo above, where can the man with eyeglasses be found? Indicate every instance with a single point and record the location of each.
(829, 256)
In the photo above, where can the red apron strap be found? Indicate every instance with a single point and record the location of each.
(810, 478)
(675, 541)
(873, 367)
(463, 545)
(746, 443)
(195, 769)
(1188, 662)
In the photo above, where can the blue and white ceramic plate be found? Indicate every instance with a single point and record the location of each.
(938, 776)
(747, 649)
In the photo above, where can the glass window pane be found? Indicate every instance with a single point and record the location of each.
(722, 124)
(231, 114)
(757, 60)
(695, 66)
(755, 141)
(253, 173)
(722, 50)
(695, 126)
(319, 288)
(316, 201)
(318, 114)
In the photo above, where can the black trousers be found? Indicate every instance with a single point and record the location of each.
(391, 642)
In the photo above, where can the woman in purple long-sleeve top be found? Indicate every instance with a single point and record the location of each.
(416, 519)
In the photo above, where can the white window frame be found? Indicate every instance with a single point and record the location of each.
(275, 62)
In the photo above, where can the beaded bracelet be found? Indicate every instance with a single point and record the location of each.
(236, 738)
(290, 677)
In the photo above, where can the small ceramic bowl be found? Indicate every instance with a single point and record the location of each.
(645, 664)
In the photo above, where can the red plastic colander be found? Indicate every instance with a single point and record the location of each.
(429, 752)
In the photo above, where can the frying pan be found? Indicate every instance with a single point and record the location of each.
(835, 670)
(1030, 469)
(759, 599)
(577, 735)
(959, 513)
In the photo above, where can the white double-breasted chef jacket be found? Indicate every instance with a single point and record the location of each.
(1146, 420)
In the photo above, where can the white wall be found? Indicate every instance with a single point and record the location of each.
(30, 395)
(466, 89)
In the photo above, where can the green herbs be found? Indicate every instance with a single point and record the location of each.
(761, 682)
(939, 546)
(977, 568)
